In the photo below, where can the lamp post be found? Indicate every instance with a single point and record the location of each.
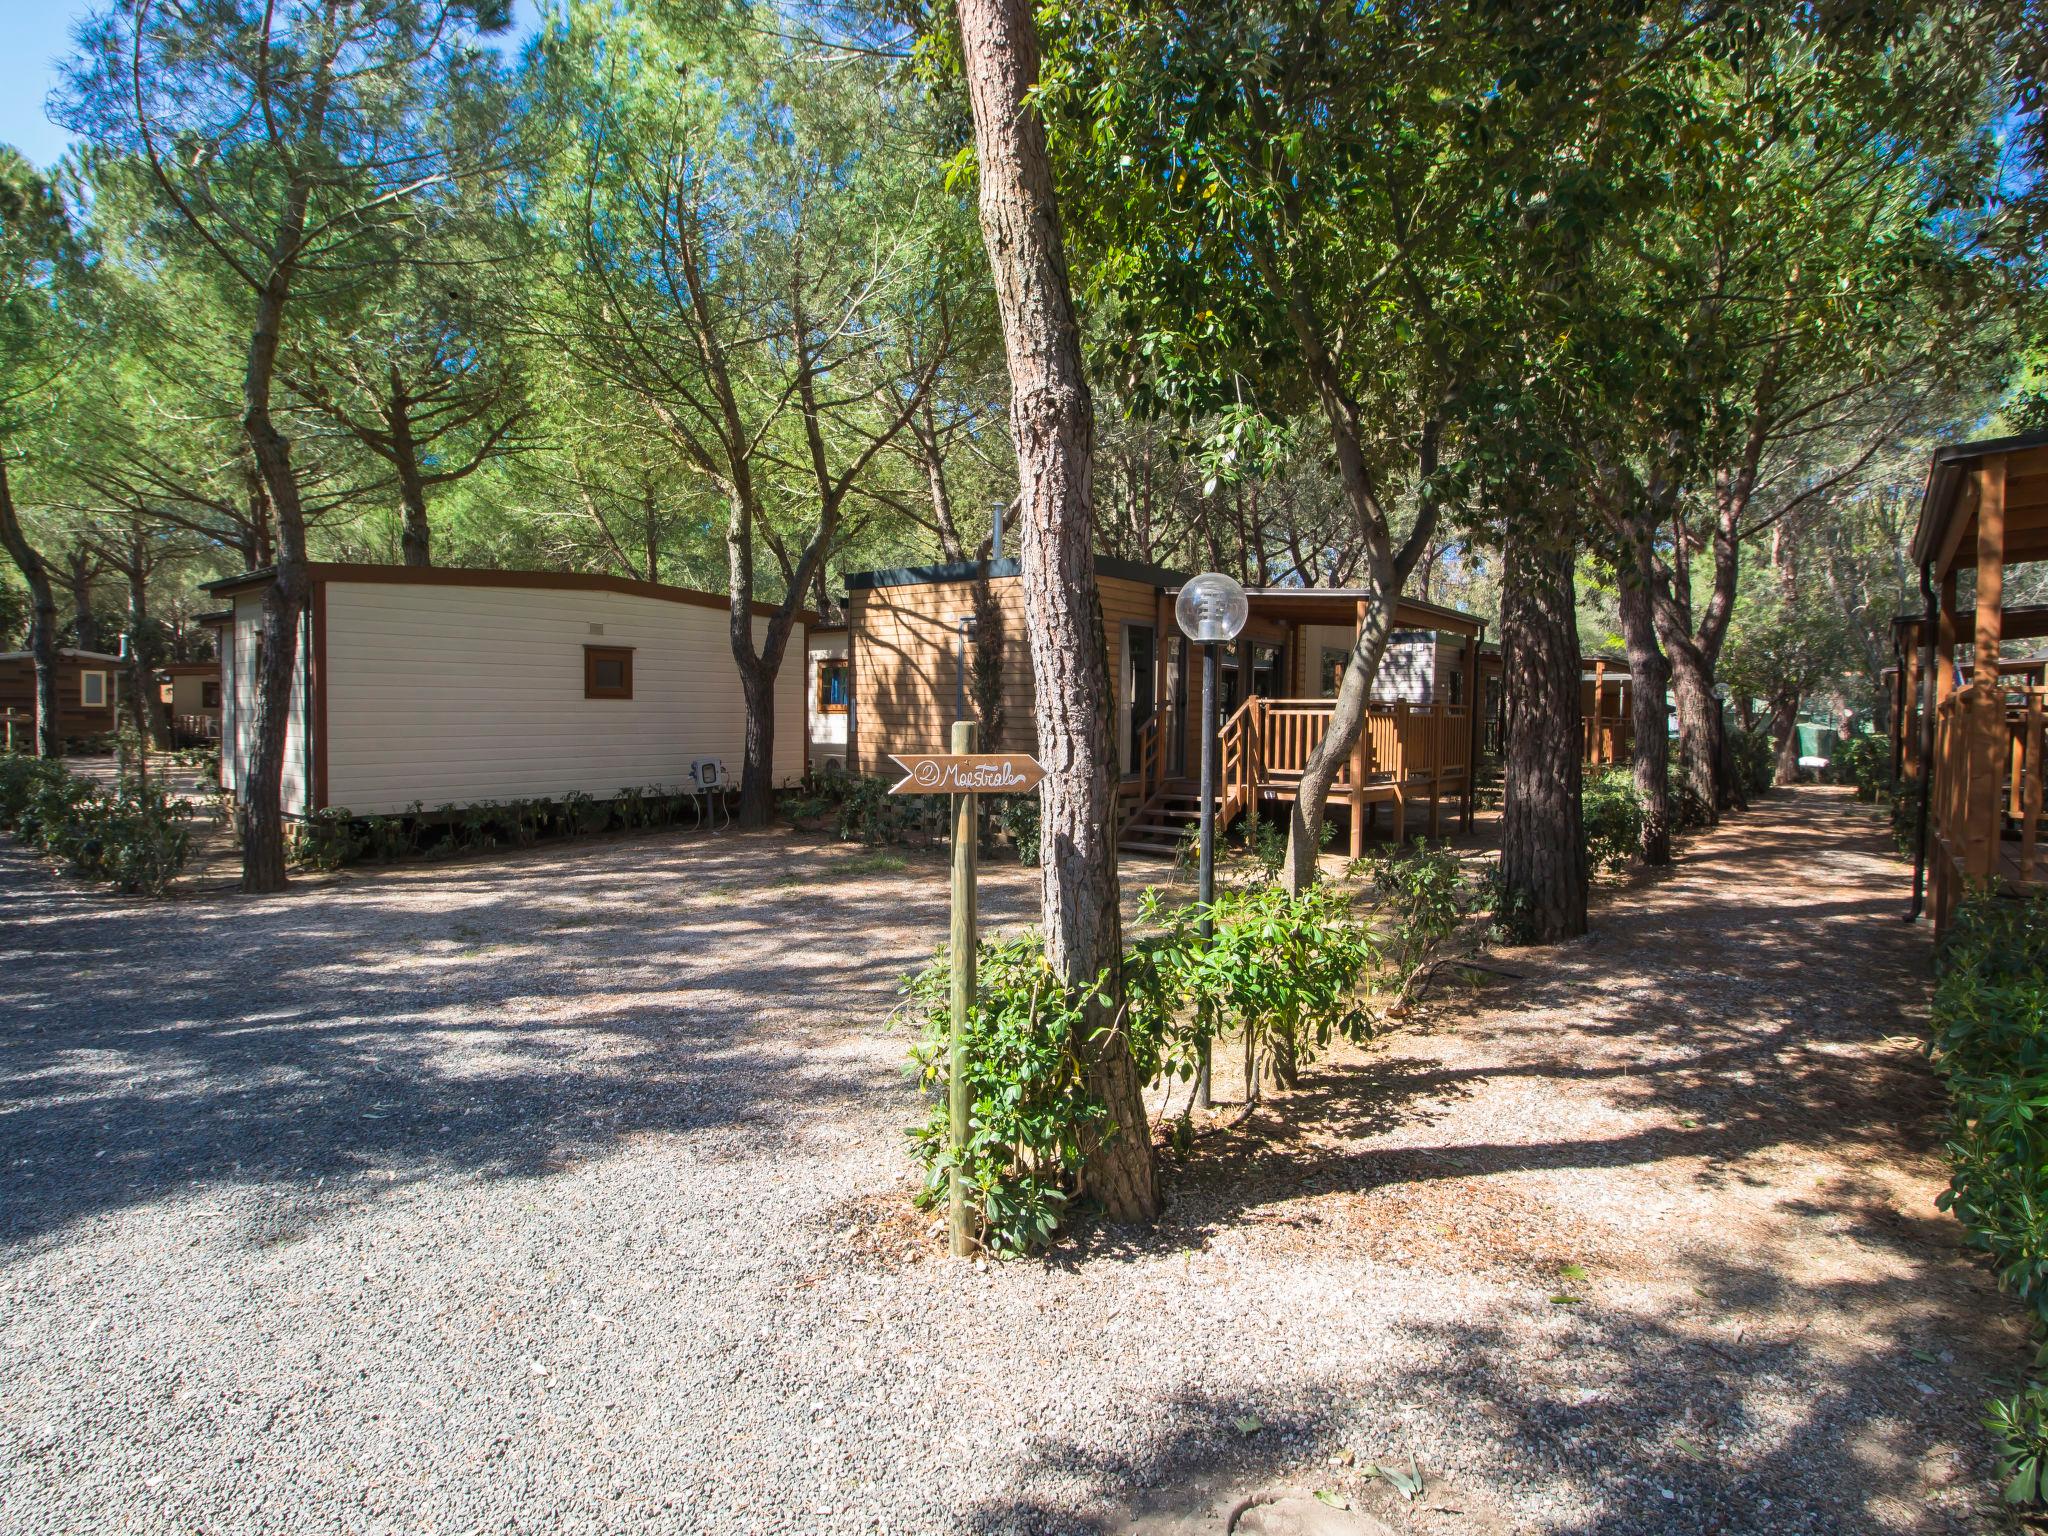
(1211, 611)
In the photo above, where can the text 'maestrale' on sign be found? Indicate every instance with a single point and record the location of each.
(977, 773)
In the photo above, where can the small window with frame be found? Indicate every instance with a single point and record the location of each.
(209, 694)
(607, 672)
(92, 690)
(832, 679)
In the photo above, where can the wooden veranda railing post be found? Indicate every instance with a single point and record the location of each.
(2030, 768)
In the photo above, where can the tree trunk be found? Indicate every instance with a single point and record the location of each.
(1649, 680)
(42, 628)
(412, 488)
(146, 703)
(260, 812)
(1785, 734)
(1542, 849)
(1052, 420)
(1339, 739)
(78, 574)
(757, 770)
(1702, 733)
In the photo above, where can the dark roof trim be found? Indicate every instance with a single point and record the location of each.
(215, 616)
(1402, 605)
(971, 570)
(458, 576)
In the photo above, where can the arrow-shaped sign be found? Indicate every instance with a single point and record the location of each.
(973, 773)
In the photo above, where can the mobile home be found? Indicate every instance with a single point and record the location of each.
(438, 687)
(913, 640)
(86, 686)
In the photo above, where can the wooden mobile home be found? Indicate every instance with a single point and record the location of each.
(436, 686)
(912, 646)
(86, 685)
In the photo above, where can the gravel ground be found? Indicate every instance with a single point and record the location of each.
(567, 1192)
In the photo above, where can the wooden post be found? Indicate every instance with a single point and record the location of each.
(1437, 718)
(966, 734)
(1945, 641)
(1596, 747)
(1987, 710)
(2030, 806)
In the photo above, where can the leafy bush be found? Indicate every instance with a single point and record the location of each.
(1018, 817)
(2019, 1425)
(1423, 897)
(1990, 1047)
(869, 814)
(1756, 759)
(331, 838)
(1279, 972)
(1611, 819)
(1031, 1117)
(133, 837)
(1866, 762)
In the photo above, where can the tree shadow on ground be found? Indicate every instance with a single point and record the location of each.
(505, 1018)
(1641, 1425)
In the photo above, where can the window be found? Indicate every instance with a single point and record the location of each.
(92, 690)
(832, 686)
(607, 672)
(1334, 660)
(209, 695)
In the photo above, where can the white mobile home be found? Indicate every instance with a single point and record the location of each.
(432, 686)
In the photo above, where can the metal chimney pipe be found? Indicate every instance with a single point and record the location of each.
(995, 538)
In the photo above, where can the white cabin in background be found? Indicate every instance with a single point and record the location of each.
(434, 686)
(831, 694)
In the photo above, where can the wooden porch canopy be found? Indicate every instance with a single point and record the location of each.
(1985, 506)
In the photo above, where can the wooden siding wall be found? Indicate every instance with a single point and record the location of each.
(18, 693)
(450, 695)
(905, 668)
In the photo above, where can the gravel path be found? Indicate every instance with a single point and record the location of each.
(566, 1191)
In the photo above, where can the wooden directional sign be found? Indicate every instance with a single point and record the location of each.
(967, 773)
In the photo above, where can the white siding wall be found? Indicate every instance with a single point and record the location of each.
(238, 715)
(450, 695)
(1407, 668)
(828, 732)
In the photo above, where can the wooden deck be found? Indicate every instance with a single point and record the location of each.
(1408, 756)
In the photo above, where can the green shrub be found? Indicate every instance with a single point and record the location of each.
(1032, 1119)
(1610, 820)
(1865, 762)
(1756, 759)
(869, 814)
(2019, 1427)
(1423, 896)
(133, 837)
(1990, 1048)
(1018, 817)
(327, 839)
(1279, 972)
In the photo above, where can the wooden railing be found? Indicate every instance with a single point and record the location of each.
(1146, 781)
(1266, 745)
(1606, 739)
(1985, 802)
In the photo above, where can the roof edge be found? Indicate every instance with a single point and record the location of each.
(471, 576)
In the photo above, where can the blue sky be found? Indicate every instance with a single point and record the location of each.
(34, 34)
